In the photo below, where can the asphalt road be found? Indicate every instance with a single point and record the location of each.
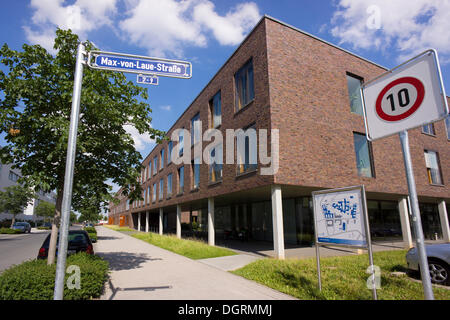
(18, 248)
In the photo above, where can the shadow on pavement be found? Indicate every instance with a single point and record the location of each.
(115, 290)
(107, 238)
(125, 261)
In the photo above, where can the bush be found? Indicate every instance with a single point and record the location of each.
(92, 236)
(90, 230)
(9, 231)
(35, 280)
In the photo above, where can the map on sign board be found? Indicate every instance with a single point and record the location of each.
(339, 218)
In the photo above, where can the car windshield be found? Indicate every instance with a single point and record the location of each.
(20, 224)
(73, 237)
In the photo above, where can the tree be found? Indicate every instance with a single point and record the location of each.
(14, 200)
(45, 209)
(73, 217)
(35, 115)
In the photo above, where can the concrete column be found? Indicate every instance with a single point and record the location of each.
(146, 221)
(277, 221)
(443, 215)
(139, 221)
(404, 221)
(211, 231)
(161, 221)
(179, 221)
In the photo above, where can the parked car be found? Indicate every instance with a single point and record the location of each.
(25, 227)
(78, 241)
(438, 262)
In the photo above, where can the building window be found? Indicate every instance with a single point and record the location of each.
(247, 154)
(363, 155)
(429, 129)
(161, 189)
(245, 91)
(169, 152)
(181, 143)
(161, 155)
(216, 163)
(195, 173)
(447, 125)
(215, 108)
(155, 165)
(13, 176)
(127, 207)
(169, 185)
(195, 129)
(149, 170)
(154, 193)
(148, 195)
(432, 163)
(354, 85)
(181, 180)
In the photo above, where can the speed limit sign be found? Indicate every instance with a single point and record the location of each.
(406, 97)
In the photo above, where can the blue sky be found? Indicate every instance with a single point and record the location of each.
(206, 32)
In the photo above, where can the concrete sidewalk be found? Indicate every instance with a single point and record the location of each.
(141, 271)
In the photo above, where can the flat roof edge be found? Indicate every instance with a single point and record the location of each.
(322, 40)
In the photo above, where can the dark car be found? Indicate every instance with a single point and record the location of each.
(25, 227)
(78, 242)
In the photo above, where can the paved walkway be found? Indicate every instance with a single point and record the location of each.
(141, 271)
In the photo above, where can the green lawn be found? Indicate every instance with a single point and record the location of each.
(117, 228)
(343, 278)
(192, 249)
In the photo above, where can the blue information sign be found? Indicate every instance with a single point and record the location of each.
(147, 79)
(140, 65)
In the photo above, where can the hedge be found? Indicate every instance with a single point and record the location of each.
(92, 236)
(9, 231)
(35, 280)
(90, 230)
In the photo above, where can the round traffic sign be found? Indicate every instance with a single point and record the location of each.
(400, 99)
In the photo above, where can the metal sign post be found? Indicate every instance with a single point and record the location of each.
(104, 61)
(417, 222)
(68, 178)
(406, 97)
(341, 219)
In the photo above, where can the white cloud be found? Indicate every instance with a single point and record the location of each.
(406, 27)
(231, 29)
(141, 141)
(81, 17)
(166, 108)
(164, 27)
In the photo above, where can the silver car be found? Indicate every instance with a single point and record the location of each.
(438, 262)
(25, 227)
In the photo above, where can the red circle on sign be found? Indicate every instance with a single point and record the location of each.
(420, 95)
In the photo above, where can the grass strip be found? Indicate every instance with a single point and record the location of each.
(193, 249)
(117, 228)
(343, 278)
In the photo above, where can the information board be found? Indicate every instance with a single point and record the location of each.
(339, 216)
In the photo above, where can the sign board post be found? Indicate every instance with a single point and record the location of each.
(340, 219)
(68, 178)
(406, 97)
(113, 62)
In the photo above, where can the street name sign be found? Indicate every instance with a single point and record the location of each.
(405, 97)
(139, 64)
(147, 79)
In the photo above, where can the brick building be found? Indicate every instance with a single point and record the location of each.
(285, 79)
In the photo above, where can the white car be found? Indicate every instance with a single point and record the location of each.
(438, 262)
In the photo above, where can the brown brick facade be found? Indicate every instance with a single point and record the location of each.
(300, 89)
